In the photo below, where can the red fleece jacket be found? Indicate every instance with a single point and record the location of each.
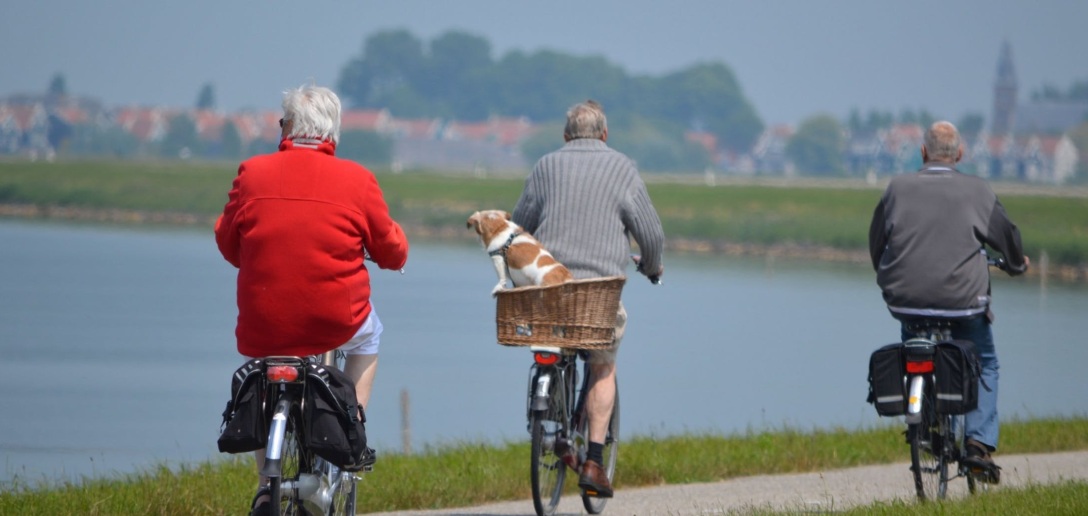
(296, 226)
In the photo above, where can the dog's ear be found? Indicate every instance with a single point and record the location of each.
(507, 215)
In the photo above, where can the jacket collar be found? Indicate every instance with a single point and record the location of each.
(937, 167)
(325, 146)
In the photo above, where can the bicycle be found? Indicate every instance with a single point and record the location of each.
(936, 438)
(558, 425)
(300, 482)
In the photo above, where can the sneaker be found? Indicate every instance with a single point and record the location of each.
(981, 463)
(594, 481)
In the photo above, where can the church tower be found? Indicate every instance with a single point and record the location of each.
(1004, 94)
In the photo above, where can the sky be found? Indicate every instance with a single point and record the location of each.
(793, 58)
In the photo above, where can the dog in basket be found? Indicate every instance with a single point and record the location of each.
(518, 257)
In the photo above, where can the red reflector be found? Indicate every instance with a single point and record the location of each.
(282, 373)
(920, 367)
(546, 358)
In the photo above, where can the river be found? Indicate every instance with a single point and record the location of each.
(118, 348)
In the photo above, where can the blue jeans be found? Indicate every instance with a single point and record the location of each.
(980, 424)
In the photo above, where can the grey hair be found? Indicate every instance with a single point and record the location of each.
(586, 120)
(314, 112)
(942, 142)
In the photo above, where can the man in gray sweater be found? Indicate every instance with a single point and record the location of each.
(584, 203)
(926, 241)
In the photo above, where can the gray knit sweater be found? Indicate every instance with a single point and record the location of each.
(584, 203)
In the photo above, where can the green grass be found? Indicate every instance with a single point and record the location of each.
(459, 475)
(1063, 498)
(832, 215)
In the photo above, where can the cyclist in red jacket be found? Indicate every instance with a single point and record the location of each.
(298, 225)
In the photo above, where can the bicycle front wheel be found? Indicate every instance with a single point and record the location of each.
(343, 494)
(929, 441)
(595, 505)
(547, 468)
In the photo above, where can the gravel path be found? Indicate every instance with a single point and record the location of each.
(806, 492)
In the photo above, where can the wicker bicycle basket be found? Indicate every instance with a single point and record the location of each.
(577, 314)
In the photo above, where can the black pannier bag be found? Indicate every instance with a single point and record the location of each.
(244, 427)
(334, 419)
(887, 390)
(957, 368)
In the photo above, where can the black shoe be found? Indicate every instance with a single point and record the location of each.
(366, 461)
(980, 463)
(594, 481)
(264, 507)
(369, 457)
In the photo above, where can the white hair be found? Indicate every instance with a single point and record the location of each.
(942, 141)
(586, 120)
(314, 112)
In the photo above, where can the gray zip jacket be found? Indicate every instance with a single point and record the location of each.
(584, 203)
(926, 238)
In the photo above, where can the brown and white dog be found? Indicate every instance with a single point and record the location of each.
(513, 249)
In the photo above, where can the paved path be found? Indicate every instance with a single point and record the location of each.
(805, 492)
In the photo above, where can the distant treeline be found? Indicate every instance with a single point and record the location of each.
(454, 76)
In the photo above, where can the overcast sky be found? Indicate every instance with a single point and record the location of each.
(793, 58)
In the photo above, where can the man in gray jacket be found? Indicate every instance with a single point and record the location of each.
(584, 203)
(926, 242)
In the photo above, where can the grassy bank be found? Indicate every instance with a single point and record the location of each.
(467, 474)
(810, 217)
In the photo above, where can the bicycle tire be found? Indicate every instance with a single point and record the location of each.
(592, 504)
(959, 425)
(341, 485)
(547, 468)
(929, 453)
(295, 461)
(342, 502)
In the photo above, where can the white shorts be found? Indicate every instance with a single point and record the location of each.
(365, 341)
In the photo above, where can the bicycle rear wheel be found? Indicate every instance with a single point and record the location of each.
(295, 463)
(929, 441)
(593, 504)
(547, 468)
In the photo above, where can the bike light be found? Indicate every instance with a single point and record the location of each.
(282, 374)
(545, 358)
(920, 367)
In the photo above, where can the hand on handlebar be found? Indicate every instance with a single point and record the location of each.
(1003, 265)
(366, 256)
(654, 278)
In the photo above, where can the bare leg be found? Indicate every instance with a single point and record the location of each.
(600, 400)
(362, 369)
(263, 480)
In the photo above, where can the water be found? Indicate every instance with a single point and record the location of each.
(118, 348)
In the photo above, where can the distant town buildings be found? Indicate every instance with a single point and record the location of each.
(1024, 141)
